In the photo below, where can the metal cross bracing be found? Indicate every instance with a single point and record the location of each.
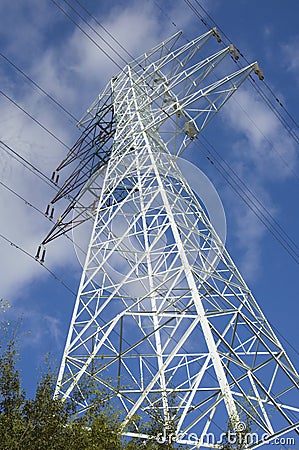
(163, 320)
(169, 82)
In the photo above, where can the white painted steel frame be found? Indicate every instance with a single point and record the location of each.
(163, 320)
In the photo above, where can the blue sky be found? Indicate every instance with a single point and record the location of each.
(42, 42)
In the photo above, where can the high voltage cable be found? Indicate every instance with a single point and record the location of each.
(265, 83)
(104, 28)
(280, 104)
(257, 210)
(275, 112)
(273, 147)
(27, 164)
(31, 256)
(122, 69)
(32, 118)
(38, 87)
(45, 178)
(18, 247)
(28, 203)
(88, 36)
(262, 220)
(247, 188)
(258, 89)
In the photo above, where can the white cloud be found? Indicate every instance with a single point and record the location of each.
(136, 27)
(71, 69)
(263, 153)
(290, 54)
(267, 145)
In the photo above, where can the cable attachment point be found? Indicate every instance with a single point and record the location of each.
(48, 213)
(176, 107)
(55, 177)
(40, 254)
(190, 130)
(216, 34)
(258, 71)
(234, 52)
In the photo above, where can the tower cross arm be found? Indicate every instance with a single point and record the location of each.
(200, 106)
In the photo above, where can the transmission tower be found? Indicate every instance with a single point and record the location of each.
(163, 320)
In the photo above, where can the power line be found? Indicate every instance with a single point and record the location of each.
(102, 27)
(257, 88)
(278, 236)
(273, 147)
(87, 35)
(27, 164)
(32, 118)
(49, 130)
(265, 83)
(19, 196)
(18, 247)
(241, 184)
(38, 87)
(258, 212)
(13, 244)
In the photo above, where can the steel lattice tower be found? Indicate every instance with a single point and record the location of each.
(163, 320)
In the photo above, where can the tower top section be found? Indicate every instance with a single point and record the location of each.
(175, 89)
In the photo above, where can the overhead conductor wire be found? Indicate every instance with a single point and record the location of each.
(222, 158)
(287, 248)
(253, 83)
(264, 81)
(71, 115)
(31, 255)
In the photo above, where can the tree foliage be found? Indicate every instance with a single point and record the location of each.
(45, 423)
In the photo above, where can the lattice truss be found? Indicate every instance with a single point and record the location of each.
(163, 320)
